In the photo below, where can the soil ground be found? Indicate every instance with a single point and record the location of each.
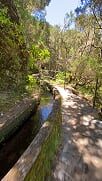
(80, 155)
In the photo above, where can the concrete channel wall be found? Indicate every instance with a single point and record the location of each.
(35, 163)
(16, 116)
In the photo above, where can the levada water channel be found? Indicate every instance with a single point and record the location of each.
(13, 148)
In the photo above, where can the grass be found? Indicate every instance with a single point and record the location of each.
(87, 93)
(8, 99)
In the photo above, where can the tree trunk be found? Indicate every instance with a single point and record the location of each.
(95, 93)
(65, 80)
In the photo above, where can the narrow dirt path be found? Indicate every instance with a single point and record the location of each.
(80, 155)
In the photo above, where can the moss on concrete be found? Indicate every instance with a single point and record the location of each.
(42, 166)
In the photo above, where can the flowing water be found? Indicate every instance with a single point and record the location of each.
(11, 150)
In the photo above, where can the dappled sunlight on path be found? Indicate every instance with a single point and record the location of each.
(80, 155)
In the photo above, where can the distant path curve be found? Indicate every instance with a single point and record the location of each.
(80, 155)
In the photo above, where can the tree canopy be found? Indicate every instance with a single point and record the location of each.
(30, 45)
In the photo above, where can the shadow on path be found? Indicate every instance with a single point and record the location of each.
(80, 155)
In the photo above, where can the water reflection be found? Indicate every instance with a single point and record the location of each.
(45, 111)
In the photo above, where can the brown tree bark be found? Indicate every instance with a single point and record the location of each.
(95, 94)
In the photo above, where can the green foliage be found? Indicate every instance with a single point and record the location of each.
(78, 52)
(44, 54)
(38, 55)
(4, 20)
(31, 79)
(31, 86)
(35, 51)
(18, 32)
(12, 50)
(28, 46)
(31, 5)
(60, 77)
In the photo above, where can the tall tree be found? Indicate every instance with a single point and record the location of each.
(93, 10)
(17, 28)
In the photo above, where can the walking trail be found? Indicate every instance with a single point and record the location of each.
(80, 154)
